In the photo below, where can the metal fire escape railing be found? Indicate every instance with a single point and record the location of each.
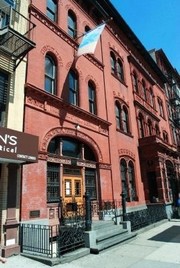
(175, 100)
(16, 33)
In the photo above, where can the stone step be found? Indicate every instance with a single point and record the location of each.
(108, 233)
(104, 244)
(98, 225)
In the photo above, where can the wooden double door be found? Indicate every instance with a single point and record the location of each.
(73, 189)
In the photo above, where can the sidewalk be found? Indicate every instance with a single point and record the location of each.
(158, 247)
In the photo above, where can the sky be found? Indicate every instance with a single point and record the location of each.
(156, 23)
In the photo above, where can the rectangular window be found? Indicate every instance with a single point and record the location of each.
(53, 185)
(92, 100)
(3, 92)
(73, 88)
(77, 188)
(90, 178)
(4, 18)
(68, 188)
(51, 10)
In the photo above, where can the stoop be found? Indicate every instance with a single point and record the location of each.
(105, 234)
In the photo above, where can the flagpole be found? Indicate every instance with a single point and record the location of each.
(105, 95)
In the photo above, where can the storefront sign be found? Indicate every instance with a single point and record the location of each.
(15, 145)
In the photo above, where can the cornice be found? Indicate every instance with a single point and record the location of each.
(52, 26)
(138, 102)
(51, 104)
(62, 34)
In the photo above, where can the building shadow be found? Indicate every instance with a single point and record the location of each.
(172, 235)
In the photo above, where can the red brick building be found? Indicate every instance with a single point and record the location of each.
(101, 119)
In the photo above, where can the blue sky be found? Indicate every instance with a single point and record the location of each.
(156, 23)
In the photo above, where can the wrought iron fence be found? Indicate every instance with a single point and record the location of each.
(39, 239)
(54, 241)
(145, 217)
(70, 238)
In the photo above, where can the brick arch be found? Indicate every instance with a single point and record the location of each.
(91, 78)
(74, 10)
(50, 50)
(70, 133)
(70, 65)
(86, 23)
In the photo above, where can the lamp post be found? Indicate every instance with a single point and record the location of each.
(88, 218)
(123, 195)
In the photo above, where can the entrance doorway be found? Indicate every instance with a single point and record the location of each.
(72, 189)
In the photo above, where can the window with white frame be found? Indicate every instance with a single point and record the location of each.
(117, 66)
(50, 74)
(51, 10)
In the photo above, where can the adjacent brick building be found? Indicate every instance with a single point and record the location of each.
(16, 147)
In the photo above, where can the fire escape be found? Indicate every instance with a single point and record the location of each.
(175, 102)
(16, 32)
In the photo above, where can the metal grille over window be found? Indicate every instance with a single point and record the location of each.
(53, 187)
(3, 92)
(90, 177)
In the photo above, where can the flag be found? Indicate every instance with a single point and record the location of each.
(89, 41)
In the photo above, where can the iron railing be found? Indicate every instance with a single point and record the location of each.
(39, 239)
(54, 241)
(16, 32)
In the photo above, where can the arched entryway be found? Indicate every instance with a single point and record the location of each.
(71, 171)
(172, 181)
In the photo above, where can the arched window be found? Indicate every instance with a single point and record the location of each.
(125, 120)
(171, 178)
(50, 75)
(118, 115)
(122, 117)
(69, 147)
(92, 98)
(128, 179)
(123, 167)
(157, 130)
(87, 29)
(116, 66)
(135, 82)
(113, 63)
(165, 136)
(132, 186)
(51, 9)
(161, 110)
(151, 97)
(141, 125)
(73, 88)
(72, 24)
(150, 127)
(120, 73)
(144, 90)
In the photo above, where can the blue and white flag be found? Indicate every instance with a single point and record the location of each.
(89, 41)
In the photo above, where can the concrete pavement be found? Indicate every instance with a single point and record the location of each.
(158, 247)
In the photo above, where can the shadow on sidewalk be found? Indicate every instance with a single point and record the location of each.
(172, 235)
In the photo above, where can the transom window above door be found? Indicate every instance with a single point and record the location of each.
(69, 147)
